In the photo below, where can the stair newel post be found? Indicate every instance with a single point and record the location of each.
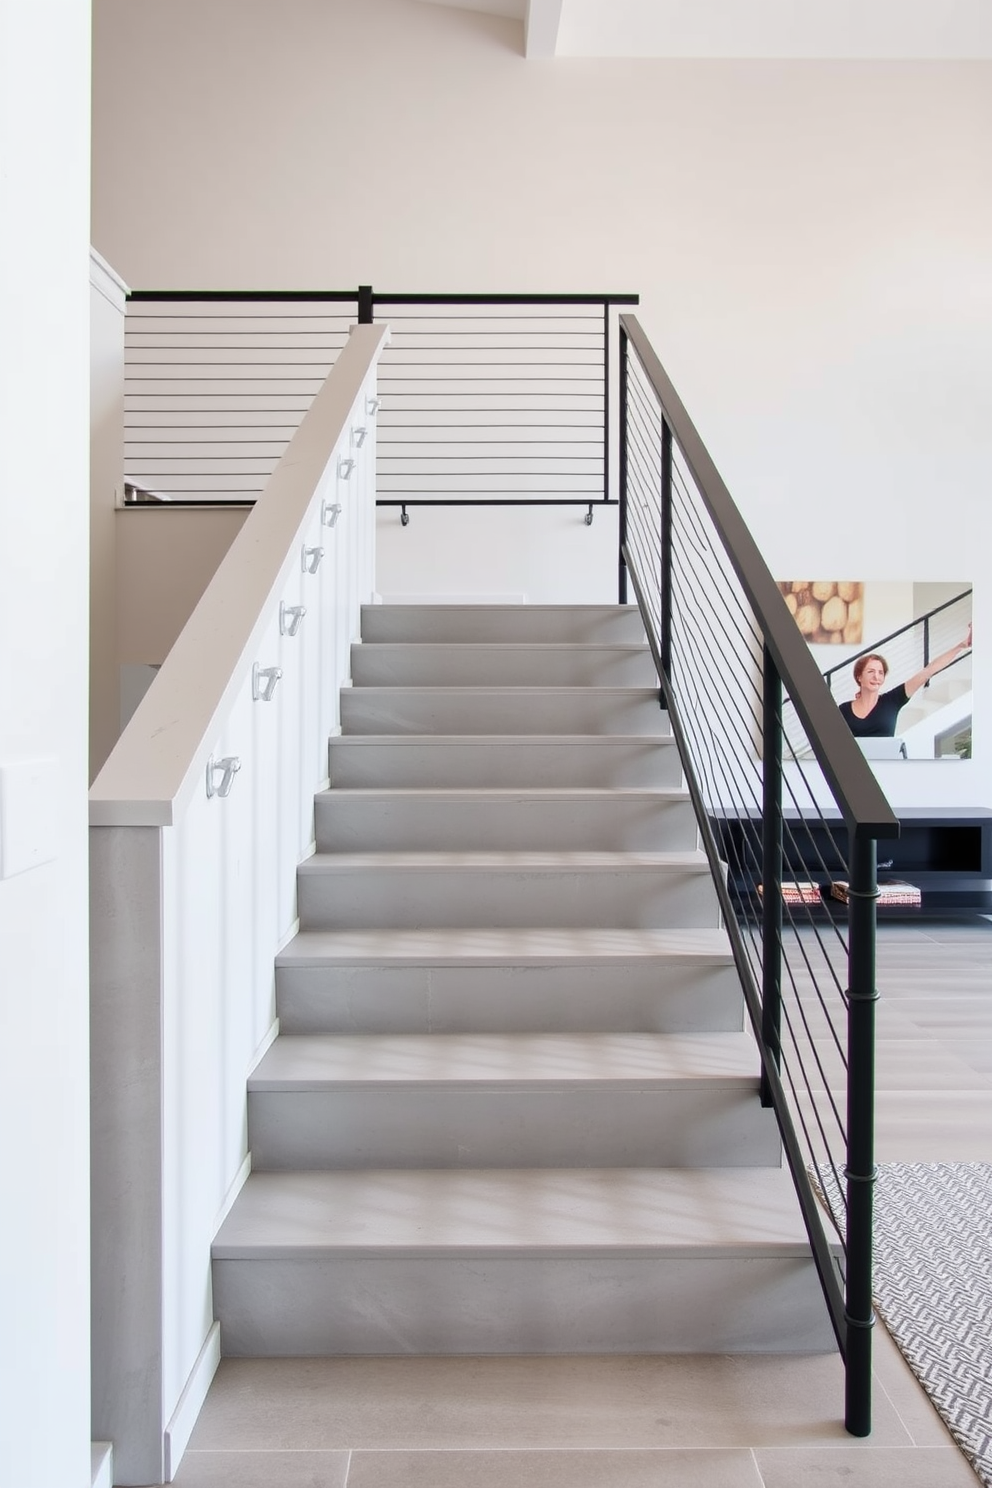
(622, 470)
(366, 307)
(771, 868)
(666, 547)
(860, 1171)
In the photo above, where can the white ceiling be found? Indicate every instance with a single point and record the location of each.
(869, 29)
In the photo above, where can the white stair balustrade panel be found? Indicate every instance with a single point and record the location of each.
(514, 1102)
(198, 822)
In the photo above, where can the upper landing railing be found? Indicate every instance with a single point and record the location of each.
(494, 400)
(729, 656)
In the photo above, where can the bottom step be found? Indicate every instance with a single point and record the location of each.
(517, 1262)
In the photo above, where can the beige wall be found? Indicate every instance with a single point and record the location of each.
(107, 299)
(812, 242)
(166, 557)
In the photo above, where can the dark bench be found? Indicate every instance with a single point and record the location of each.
(946, 851)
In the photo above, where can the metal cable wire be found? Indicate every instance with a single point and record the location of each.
(711, 622)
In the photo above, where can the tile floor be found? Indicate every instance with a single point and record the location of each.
(631, 1422)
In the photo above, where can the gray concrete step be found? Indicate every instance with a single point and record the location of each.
(522, 1100)
(629, 890)
(517, 1261)
(467, 664)
(504, 761)
(584, 624)
(502, 710)
(399, 820)
(500, 980)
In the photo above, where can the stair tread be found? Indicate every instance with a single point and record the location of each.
(497, 946)
(512, 861)
(515, 1212)
(530, 689)
(640, 647)
(523, 1061)
(553, 741)
(564, 793)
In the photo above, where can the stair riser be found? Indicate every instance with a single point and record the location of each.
(463, 710)
(516, 624)
(461, 896)
(482, 762)
(477, 666)
(532, 1305)
(581, 1127)
(628, 998)
(345, 823)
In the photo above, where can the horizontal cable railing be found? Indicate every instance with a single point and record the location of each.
(217, 384)
(778, 835)
(495, 400)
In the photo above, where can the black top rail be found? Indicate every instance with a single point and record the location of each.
(344, 296)
(862, 803)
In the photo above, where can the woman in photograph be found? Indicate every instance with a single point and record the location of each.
(872, 713)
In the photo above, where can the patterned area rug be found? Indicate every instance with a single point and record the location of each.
(933, 1286)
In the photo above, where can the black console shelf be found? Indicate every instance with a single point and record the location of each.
(946, 852)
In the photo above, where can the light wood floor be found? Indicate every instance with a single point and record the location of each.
(716, 1422)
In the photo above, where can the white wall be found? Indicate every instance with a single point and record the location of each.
(44, 526)
(812, 242)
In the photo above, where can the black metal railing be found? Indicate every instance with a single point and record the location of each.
(216, 383)
(730, 658)
(490, 400)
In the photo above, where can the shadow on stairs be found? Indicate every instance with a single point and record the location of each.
(513, 1107)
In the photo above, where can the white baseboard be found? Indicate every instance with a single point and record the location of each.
(268, 1040)
(294, 928)
(102, 1464)
(240, 1179)
(180, 1428)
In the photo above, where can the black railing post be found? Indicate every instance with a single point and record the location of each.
(860, 1170)
(771, 868)
(606, 400)
(366, 311)
(926, 643)
(666, 547)
(622, 471)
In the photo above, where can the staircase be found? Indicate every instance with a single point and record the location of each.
(512, 1107)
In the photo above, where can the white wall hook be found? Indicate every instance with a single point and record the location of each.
(329, 513)
(358, 437)
(345, 466)
(221, 773)
(263, 682)
(311, 559)
(372, 405)
(290, 618)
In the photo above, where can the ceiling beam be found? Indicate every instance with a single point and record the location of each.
(541, 22)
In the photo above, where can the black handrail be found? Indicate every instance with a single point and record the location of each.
(787, 662)
(863, 805)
